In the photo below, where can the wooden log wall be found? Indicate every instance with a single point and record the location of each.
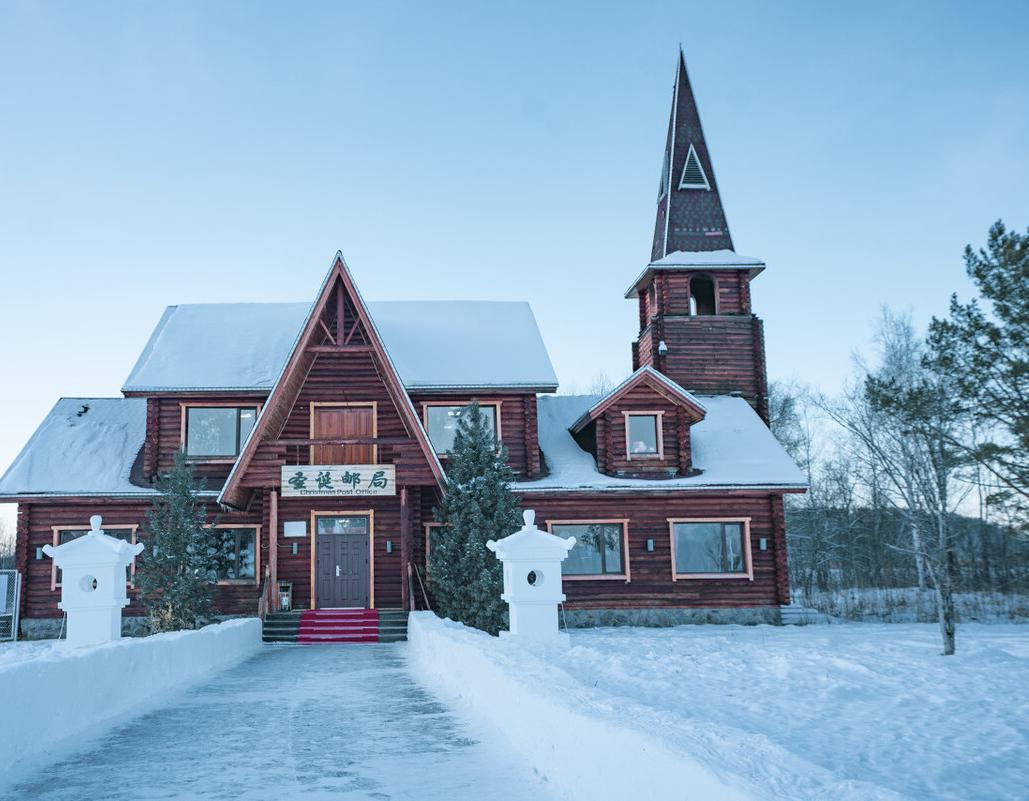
(389, 573)
(711, 355)
(339, 378)
(35, 519)
(671, 293)
(164, 433)
(518, 424)
(651, 584)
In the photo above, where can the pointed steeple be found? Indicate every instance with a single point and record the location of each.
(690, 216)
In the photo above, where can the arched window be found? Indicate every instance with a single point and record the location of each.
(702, 295)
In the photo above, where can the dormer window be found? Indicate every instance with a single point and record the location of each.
(216, 432)
(643, 438)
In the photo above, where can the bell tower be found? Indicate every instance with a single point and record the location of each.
(696, 324)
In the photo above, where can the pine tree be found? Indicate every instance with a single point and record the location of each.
(467, 578)
(984, 344)
(178, 566)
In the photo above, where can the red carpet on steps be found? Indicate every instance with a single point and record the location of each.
(338, 625)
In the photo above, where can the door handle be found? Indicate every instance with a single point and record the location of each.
(337, 571)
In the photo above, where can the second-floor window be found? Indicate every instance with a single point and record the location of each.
(214, 432)
(643, 435)
(441, 423)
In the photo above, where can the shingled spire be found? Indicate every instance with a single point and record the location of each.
(689, 209)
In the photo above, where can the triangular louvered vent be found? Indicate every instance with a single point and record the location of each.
(693, 176)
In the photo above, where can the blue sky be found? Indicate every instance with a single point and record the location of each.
(153, 154)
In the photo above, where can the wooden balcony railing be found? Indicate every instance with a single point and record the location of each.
(298, 450)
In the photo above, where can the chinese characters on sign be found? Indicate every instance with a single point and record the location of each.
(339, 479)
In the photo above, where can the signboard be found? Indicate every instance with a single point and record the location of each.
(338, 480)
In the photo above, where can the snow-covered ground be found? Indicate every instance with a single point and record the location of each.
(789, 710)
(11, 652)
(911, 605)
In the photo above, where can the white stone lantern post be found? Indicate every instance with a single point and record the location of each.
(532, 579)
(93, 583)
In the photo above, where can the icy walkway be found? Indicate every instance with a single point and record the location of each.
(295, 723)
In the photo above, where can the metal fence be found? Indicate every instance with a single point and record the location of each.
(10, 595)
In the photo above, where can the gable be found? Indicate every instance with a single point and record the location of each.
(338, 357)
(645, 382)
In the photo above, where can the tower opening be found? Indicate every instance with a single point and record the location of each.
(702, 295)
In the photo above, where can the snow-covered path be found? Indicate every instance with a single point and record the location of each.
(295, 723)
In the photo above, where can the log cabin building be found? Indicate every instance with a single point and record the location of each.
(321, 431)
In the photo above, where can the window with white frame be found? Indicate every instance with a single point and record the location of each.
(217, 432)
(711, 547)
(441, 423)
(599, 548)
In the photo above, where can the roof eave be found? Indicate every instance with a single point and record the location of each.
(525, 487)
(131, 391)
(520, 388)
(650, 269)
(512, 387)
(37, 495)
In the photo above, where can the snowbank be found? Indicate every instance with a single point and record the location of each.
(583, 744)
(60, 698)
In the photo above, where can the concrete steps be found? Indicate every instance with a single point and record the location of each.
(797, 615)
(318, 626)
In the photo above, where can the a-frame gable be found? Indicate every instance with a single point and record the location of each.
(649, 377)
(338, 324)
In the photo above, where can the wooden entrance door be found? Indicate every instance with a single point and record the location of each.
(342, 422)
(343, 566)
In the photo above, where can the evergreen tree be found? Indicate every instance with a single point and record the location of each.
(467, 578)
(178, 566)
(987, 353)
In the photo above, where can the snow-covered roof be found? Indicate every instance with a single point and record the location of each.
(464, 343)
(705, 259)
(217, 346)
(731, 446)
(434, 344)
(84, 446)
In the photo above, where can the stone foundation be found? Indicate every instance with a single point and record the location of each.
(746, 616)
(49, 628)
